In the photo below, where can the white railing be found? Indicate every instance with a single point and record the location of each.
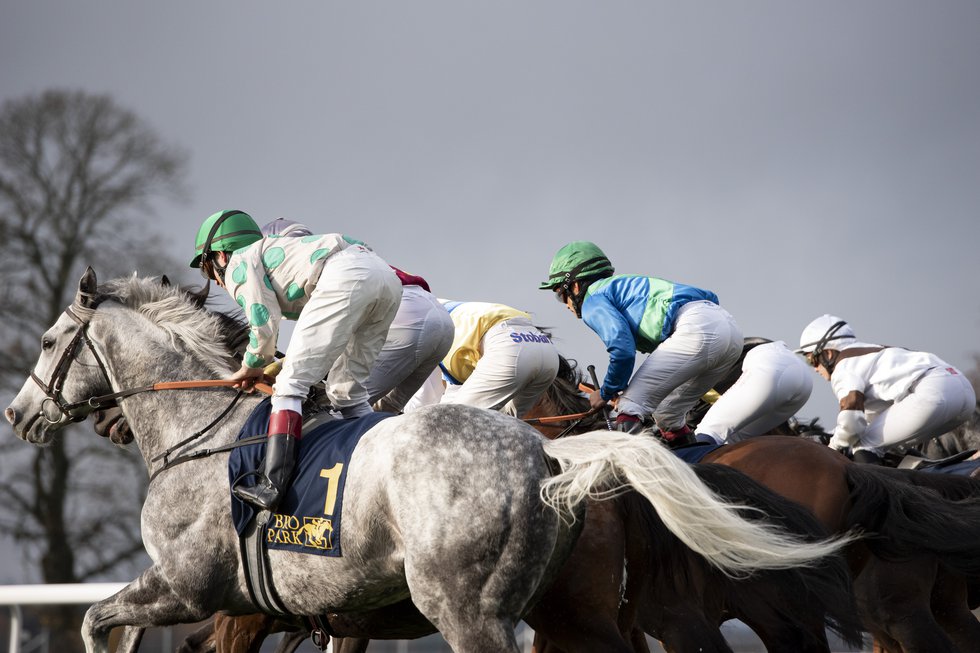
(16, 596)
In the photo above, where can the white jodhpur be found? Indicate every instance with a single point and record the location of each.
(704, 345)
(420, 336)
(342, 329)
(517, 364)
(775, 383)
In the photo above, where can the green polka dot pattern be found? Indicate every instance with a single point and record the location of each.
(251, 360)
(290, 315)
(253, 340)
(267, 281)
(309, 239)
(273, 257)
(258, 315)
(241, 301)
(318, 254)
(239, 275)
(294, 292)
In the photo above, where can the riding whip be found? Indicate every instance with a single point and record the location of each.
(605, 410)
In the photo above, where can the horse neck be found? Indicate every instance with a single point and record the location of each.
(138, 356)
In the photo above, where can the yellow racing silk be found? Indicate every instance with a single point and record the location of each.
(472, 320)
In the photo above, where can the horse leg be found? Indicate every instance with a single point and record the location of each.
(950, 608)
(200, 641)
(147, 601)
(778, 635)
(348, 645)
(243, 634)
(895, 598)
(587, 592)
(129, 641)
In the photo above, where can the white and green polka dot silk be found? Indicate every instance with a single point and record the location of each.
(272, 279)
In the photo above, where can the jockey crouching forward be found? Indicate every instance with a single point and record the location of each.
(419, 336)
(343, 298)
(770, 384)
(692, 341)
(888, 396)
(498, 359)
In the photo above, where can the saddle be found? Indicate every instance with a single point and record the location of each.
(916, 461)
(301, 523)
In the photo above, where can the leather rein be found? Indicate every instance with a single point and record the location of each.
(77, 411)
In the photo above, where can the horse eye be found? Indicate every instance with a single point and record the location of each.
(47, 343)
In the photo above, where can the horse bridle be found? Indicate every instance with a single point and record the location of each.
(53, 389)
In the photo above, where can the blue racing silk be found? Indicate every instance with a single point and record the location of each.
(632, 313)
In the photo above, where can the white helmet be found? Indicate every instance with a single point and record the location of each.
(825, 330)
(286, 228)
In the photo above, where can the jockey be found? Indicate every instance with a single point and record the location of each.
(692, 341)
(888, 395)
(343, 298)
(769, 386)
(418, 338)
(498, 359)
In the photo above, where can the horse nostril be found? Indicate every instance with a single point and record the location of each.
(11, 415)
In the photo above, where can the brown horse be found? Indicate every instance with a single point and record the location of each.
(910, 603)
(909, 597)
(911, 575)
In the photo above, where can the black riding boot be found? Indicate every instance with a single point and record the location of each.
(866, 457)
(681, 437)
(280, 462)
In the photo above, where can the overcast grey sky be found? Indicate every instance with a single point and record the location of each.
(796, 158)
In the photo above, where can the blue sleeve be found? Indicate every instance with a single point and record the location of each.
(612, 327)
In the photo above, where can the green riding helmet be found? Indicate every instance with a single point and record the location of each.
(574, 261)
(225, 231)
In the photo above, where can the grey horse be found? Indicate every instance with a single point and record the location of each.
(468, 512)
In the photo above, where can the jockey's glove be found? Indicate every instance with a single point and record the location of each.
(851, 425)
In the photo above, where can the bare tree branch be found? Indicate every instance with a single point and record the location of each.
(78, 178)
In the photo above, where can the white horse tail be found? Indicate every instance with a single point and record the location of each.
(602, 464)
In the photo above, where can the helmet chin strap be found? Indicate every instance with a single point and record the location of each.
(819, 350)
(571, 277)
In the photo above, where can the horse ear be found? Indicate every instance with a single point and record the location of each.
(165, 280)
(87, 289)
(199, 297)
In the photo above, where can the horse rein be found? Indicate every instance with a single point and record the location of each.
(78, 410)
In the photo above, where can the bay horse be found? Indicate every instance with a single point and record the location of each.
(469, 512)
(922, 550)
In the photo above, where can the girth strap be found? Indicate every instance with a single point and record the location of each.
(258, 572)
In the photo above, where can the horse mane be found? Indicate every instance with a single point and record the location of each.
(565, 396)
(210, 336)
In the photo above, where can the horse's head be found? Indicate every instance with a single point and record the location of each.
(82, 353)
(69, 371)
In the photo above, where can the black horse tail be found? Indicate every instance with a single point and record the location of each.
(798, 602)
(902, 517)
(950, 486)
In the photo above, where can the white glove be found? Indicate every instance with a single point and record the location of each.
(851, 425)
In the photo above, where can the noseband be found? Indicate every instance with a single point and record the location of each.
(53, 389)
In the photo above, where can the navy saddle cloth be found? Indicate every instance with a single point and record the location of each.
(308, 518)
(962, 468)
(694, 453)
